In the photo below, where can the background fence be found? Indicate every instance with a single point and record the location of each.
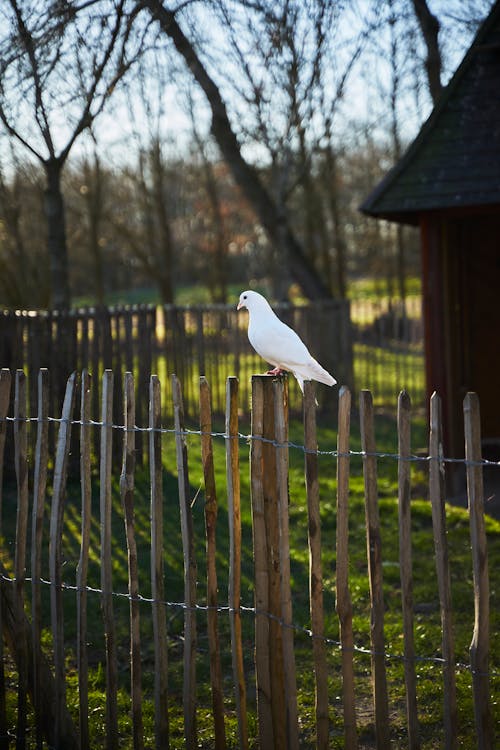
(365, 345)
(87, 626)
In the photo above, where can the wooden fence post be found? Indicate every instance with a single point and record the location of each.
(343, 601)
(106, 463)
(479, 648)
(234, 519)
(189, 692)
(39, 494)
(211, 550)
(83, 561)
(261, 573)
(162, 738)
(55, 555)
(273, 566)
(280, 396)
(405, 565)
(127, 496)
(374, 554)
(21, 465)
(5, 383)
(436, 495)
(315, 568)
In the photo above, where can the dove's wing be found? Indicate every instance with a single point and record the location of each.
(277, 343)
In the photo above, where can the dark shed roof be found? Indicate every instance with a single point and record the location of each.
(455, 159)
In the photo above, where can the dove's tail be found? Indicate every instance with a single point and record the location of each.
(313, 371)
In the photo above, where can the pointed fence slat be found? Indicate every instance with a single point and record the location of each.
(280, 394)
(374, 555)
(261, 574)
(159, 613)
(315, 567)
(234, 588)
(105, 472)
(127, 496)
(479, 648)
(83, 561)
(405, 565)
(21, 466)
(436, 495)
(38, 511)
(189, 688)
(343, 601)
(272, 534)
(55, 552)
(5, 383)
(211, 552)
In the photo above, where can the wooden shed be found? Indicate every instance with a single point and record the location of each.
(448, 184)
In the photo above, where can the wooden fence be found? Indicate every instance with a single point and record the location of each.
(39, 700)
(364, 344)
(190, 341)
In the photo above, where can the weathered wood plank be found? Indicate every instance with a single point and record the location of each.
(436, 495)
(55, 552)
(315, 567)
(234, 587)
(211, 552)
(83, 560)
(405, 565)
(127, 497)
(105, 498)
(5, 385)
(21, 467)
(159, 613)
(189, 689)
(37, 517)
(261, 575)
(270, 492)
(343, 600)
(374, 555)
(480, 647)
(280, 398)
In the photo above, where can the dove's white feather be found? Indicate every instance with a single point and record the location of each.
(279, 344)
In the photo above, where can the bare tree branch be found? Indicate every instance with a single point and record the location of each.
(274, 221)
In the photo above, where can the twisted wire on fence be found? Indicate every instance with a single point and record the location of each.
(248, 437)
(249, 610)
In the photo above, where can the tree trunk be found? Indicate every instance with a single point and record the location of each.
(276, 226)
(333, 190)
(94, 200)
(429, 26)
(58, 252)
(164, 254)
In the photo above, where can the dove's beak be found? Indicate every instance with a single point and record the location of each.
(240, 305)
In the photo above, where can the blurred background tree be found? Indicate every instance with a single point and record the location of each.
(146, 145)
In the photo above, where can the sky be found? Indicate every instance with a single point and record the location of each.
(133, 117)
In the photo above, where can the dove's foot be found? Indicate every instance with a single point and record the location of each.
(276, 371)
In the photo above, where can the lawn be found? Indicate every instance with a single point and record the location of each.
(427, 618)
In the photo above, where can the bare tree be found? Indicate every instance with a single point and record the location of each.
(246, 176)
(59, 65)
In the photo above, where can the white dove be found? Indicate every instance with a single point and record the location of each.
(278, 344)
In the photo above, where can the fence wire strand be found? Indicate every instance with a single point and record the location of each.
(248, 438)
(249, 610)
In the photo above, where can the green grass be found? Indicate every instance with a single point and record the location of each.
(369, 288)
(427, 621)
